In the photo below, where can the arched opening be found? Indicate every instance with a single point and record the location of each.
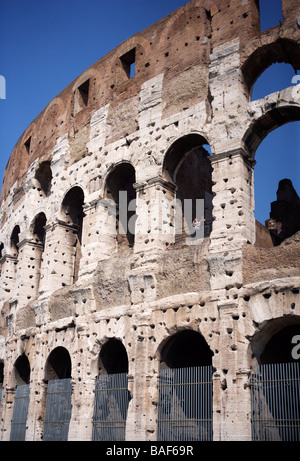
(72, 207)
(282, 51)
(58, 371)
(275, 78)
(185, 388)
(120, 189)
(38, 229)
(58, 365)
(22, 370)
(187, 165)
(186, 348)
(113, 358)
(279, 348)
(111, 393)
(14, 240)
(275, 392)
(277, 182)
(44, 176)
(21, 401)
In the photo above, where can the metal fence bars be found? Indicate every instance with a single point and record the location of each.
(185, 404)
(58, 410)
(110, 407)
(275, 402)
(20, 412)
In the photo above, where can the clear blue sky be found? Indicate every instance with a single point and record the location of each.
(45, 45)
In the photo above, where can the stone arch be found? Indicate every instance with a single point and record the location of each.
(273, 343)
(83, 90)
(178, 16)
(185, 348)
(266, 123)
(113, 357)
(89, 73)
(58, 364)
(22, 370)
(52, 113)
(187, 165)
(119, 189)
(272, 113)
(72, 207)
(113, 68)
(256, 62)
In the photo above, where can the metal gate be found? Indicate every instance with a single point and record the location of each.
(58, 410)
(110, 407)
(185, 404)
(275, 402)
(20, 412)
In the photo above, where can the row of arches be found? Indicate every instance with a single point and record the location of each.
(182, 357)
(187, 158)
(186, 348)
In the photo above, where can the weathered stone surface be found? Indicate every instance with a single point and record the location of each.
(115, 292)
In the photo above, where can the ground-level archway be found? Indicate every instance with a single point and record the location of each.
(21, 400)
(58, 371)
(111, 393)
(185, 388)
(275, 390)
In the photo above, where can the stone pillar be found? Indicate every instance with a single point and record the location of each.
(155, 224)
(8, 276)
(233, 212)
(28, 272)
(8, 404)
(98, 234)
(59, 257)
(138, 385)
(231, 392)
(80, 428)
(30, 434)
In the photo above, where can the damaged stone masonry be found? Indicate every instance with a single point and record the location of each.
(82, 302)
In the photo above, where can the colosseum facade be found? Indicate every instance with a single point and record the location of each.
(119, 319)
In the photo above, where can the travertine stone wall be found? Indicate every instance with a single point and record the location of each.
(192, 87)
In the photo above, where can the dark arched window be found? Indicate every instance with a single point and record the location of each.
(185, 388)
(186, 349)
(39, 229)
(58, 365)
(120, 189)
(22, 370)
(14, 240)
(113, 358)
(72, 207)
(275, 392)
(187, 165)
